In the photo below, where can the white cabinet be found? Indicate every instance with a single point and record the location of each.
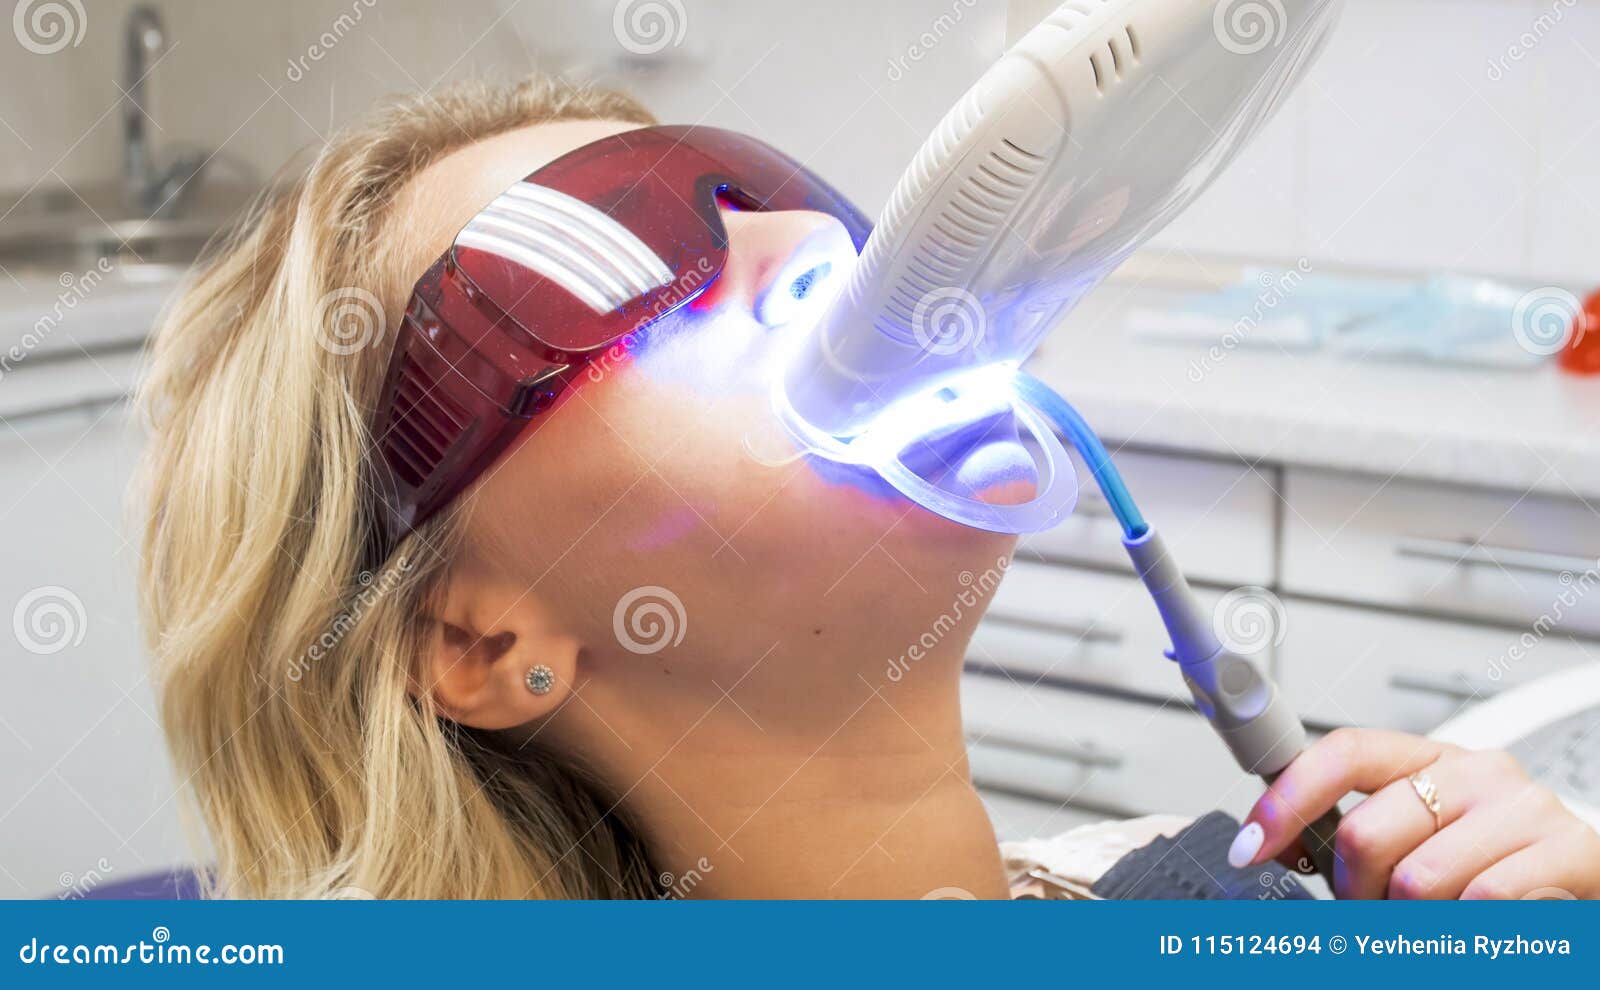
(1098, 755)
(88, 796)
(1216, 516)
(1341, 665)
(1505, 556)
(1404, 603)
(1072, 624)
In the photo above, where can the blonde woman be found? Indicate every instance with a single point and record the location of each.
(444, 605)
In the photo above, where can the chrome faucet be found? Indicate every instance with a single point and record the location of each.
(149, 190)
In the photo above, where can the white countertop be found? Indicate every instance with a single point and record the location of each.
(1526, 430)
(50, 315)
(68, 341)
(62, 385)
(55, 355)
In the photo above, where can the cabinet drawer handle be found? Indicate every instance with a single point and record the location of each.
(1087, 631)
(1469, 552)
(1454, 686)
(1085, 754)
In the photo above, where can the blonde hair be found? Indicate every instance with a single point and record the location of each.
(283, 661)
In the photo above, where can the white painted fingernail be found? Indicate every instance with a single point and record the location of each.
(1245, 846)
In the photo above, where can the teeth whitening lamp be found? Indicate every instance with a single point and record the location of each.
(1096, 129)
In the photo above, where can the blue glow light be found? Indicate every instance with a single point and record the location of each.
(943, 407)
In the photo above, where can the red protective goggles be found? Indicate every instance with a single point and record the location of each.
(590, 249)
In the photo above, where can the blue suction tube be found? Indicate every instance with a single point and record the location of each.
(1077, 432)
(1235, 695)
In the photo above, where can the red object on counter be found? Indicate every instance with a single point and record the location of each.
(1582, 353)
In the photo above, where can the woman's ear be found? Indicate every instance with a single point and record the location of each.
(495, 660)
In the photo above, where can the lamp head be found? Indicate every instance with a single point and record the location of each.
(1088, 136)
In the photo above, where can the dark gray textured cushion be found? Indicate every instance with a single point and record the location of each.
(1193, 866)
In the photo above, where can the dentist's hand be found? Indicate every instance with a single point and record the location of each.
(1498, 834)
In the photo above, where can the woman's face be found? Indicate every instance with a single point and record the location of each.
(658, 471)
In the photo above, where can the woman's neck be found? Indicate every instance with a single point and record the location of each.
(870, 800)
(837, 823)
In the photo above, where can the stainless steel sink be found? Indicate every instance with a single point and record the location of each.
(71, 230)
(157, 219)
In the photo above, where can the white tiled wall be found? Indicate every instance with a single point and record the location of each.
(225, 82)
(242, 75)
(1403, 149)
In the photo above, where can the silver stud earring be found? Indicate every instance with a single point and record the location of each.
(540, 679)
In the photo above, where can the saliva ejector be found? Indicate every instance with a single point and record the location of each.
(1091, 133)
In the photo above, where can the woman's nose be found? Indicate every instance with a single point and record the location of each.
(784, 264)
